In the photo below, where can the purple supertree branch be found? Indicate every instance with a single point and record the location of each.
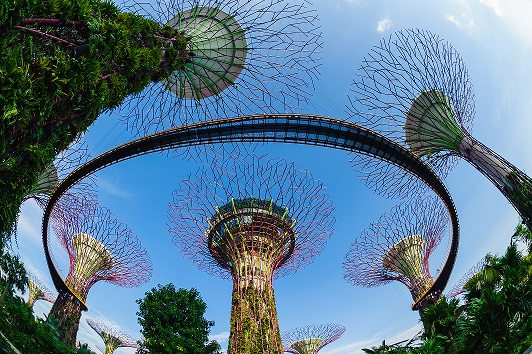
(37, 290)
(216, 184)
(252, 219)
(310, 339)
(100, 247)
(111, 336)
(415, 89)
(459, 287)
(65, 162)
(282, 45)
(398, 246)
(397, 71)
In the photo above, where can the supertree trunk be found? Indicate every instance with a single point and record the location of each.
(415, 89)
(254, 324)
(431, 128)
(67, 309)
(254, 221)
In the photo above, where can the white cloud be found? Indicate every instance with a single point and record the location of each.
(494, 5)
(29, 222)
(375, 341)
(220, 337)
(112, 187)
(384, 25)
(515, 13)
(464, 22)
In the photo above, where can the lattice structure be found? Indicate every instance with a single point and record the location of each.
(397, 247)
(100, 248)
(76, 155)
(111, 336)
(243, 57)
(415, 89)
(37, 290)
(251, 220)
(460, 286)
(310, 339)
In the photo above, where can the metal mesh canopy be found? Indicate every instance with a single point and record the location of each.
(403, 77)
(311, 339)
(398, 246)
(228, 197)
(37, 290)
(111, 336)
(415, 89)
(459, 287)
(66, 161)
(217, 48)
(99, 246)
(244, 57)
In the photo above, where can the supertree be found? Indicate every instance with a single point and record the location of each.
(111, 336)
(37, 290)
(397, 247)
(252, 220)
(66, 161)
(100, 248)
(65, 65)
(243, 57)
(310, 339)
(460, 286)
(415, 89)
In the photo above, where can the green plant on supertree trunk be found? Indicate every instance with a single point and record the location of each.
(67, 308)
(63, 63)
(255, 313)
(521, 196)
(252, 220)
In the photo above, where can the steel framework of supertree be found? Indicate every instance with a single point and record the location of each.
(460, 286)
(111, 336)
(252, 220)
(37, 290)
(65, 162)
(311, 339)
(397, 247)
(243, 57)
(415, 89)
(100, 248)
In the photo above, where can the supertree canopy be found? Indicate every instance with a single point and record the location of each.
(397, 247)
(37, 290)
(460, 286)
(415, 89)
(310, 339)
(100, 248)
(66, 62)
(243, 57)
(64, 163)
(112, 336)
(251, 220)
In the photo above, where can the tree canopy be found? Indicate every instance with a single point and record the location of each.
(63, 63)
(172, 322)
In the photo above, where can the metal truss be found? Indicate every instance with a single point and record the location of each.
(284, 128)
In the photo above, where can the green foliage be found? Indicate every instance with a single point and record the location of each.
(496, 316)
(172, 322)
(28, 335)
(521, 195)
(51, 92)
(254, 325)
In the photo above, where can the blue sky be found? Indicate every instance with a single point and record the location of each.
(494, 39)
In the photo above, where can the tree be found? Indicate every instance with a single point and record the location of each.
(13, 274)
(172, 322)
(63, 63)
